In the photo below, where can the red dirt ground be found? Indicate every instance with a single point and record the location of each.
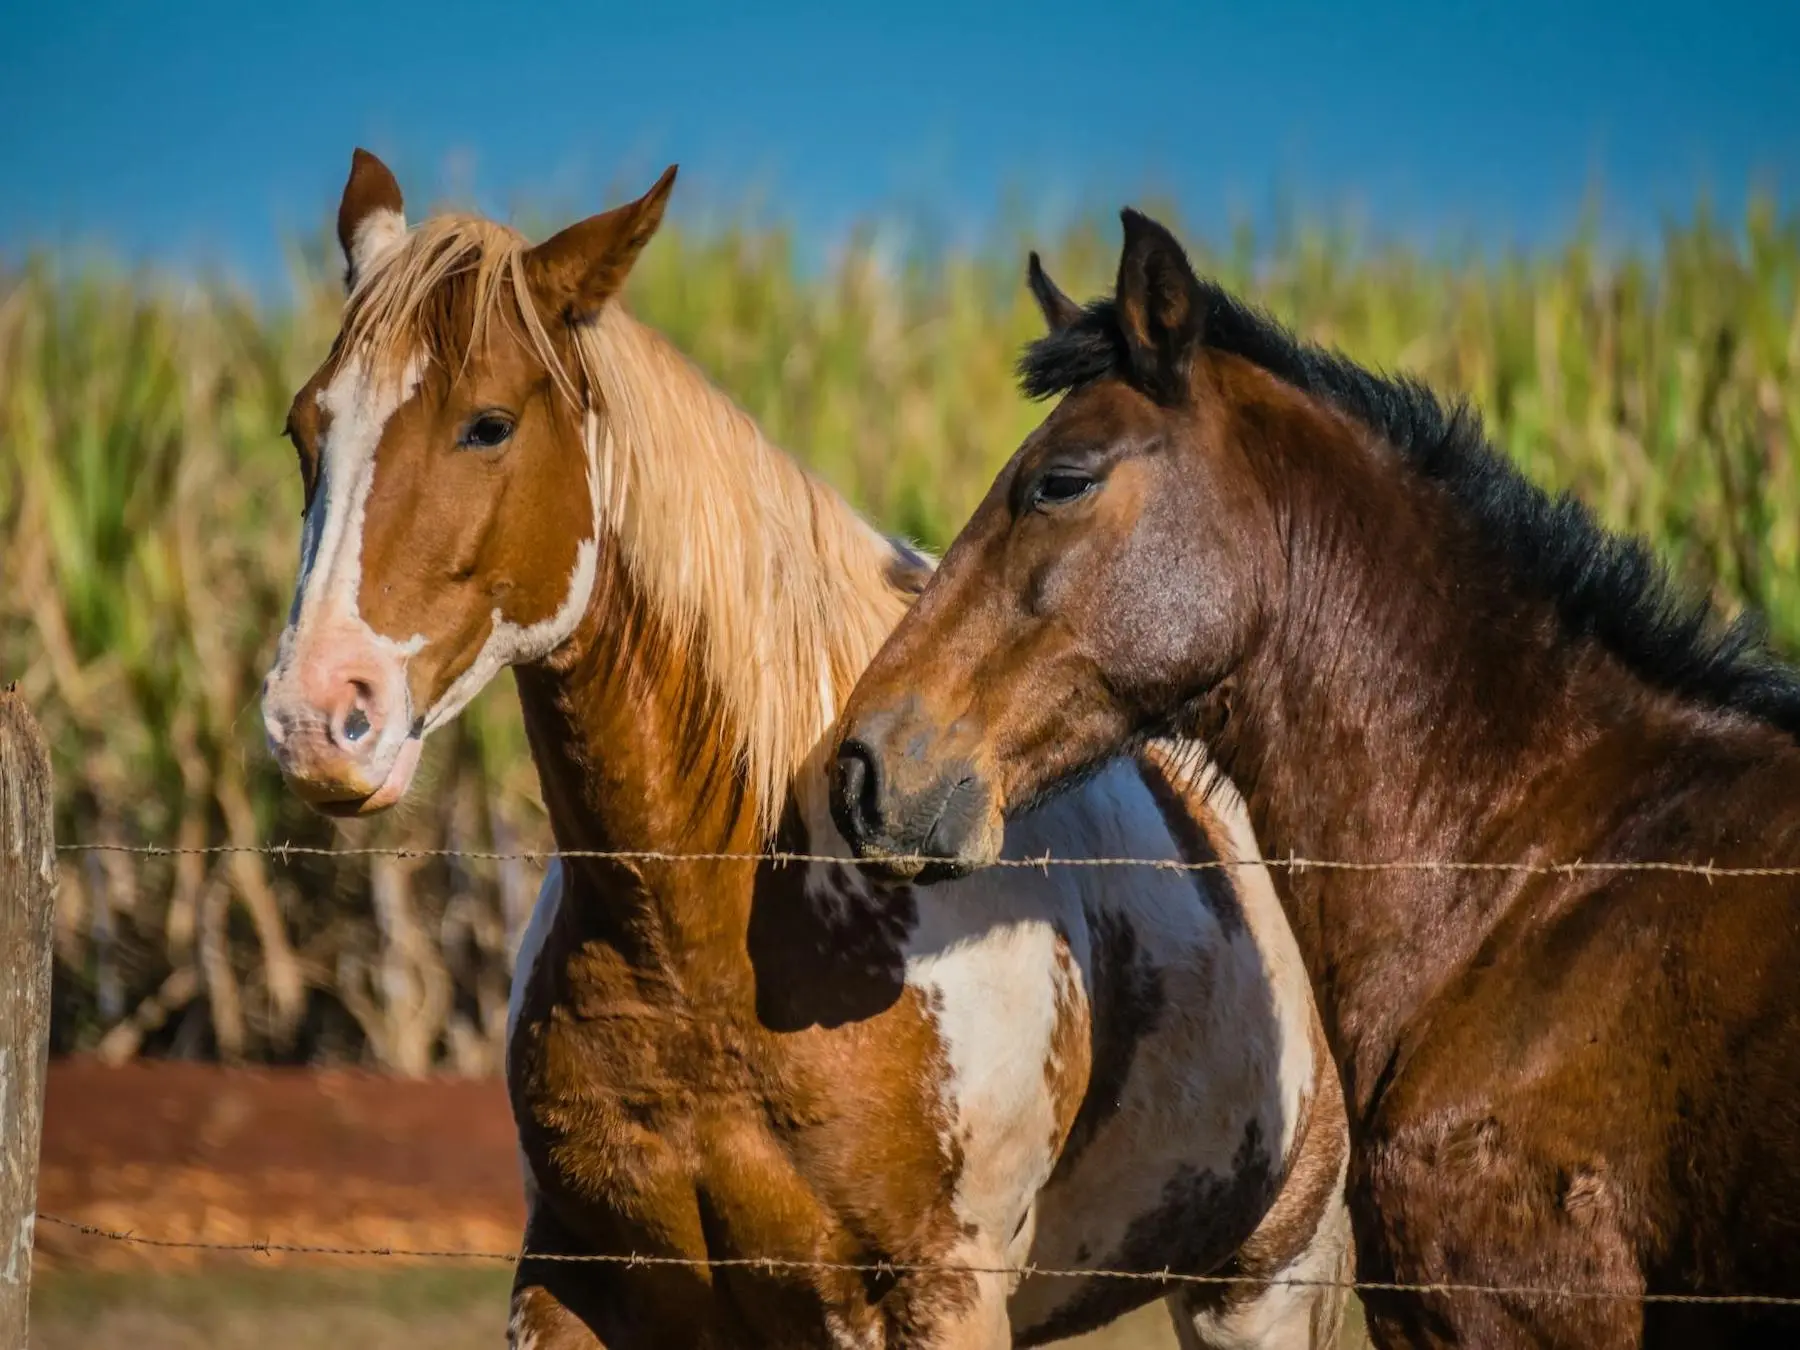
(195, 1152)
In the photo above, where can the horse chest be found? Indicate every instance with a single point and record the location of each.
(936, 1119)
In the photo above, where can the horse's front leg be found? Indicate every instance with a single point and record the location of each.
(958, 1312)
(541, 1321)
(595, 1305)
(554, 1303)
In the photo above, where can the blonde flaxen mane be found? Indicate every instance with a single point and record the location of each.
(779, 584)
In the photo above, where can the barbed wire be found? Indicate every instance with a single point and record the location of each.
(283, 852)
(780, 1264)
(1707, 870)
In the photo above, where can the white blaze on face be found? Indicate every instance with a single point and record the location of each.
(358, 406)
(325, 628)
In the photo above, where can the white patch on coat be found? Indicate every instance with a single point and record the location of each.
(531, 943)
(511, 644)
(983, 954)
(1225, 1050)
(1283, 969)
(984, 958)
(840, 1335)
(1231, 1044)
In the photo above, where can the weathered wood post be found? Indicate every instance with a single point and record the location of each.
(27, 888)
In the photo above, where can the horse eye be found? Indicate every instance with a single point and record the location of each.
(486, 431)
(1061, 488)
(309, 463)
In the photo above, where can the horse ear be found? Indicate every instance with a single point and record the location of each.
(1058, 310)
(371, 217)
(908, 569)
(577, 271)
(1161, 308)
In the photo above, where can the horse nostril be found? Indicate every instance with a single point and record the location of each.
(857, 800)
(356, 725)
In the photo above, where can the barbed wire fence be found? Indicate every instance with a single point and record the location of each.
(1709, 871)
(779, 1265)
(1576, 867)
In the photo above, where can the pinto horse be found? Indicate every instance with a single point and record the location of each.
(1395, 647)
(739, 1061)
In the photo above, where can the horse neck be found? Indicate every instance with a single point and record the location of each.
(735, 601)
(1396, 708)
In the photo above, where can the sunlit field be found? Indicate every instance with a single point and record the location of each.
(149, 510)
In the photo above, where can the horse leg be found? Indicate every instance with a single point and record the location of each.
(593, 1305)
(540, 1321)
(962, 1313)
(1298, 1264)
(984, 1325)
(550, 1298)
(1300, 1307)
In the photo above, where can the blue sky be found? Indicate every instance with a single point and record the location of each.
(202, 134)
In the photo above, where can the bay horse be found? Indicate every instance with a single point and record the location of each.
(727, 1060)
(1397, 648)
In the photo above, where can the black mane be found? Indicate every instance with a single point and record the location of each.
(1604, 586)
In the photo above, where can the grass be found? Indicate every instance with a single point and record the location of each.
(149, 511)
(448, 1309)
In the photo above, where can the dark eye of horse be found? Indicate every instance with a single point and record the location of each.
(486, 431)
(1062, 487)
(309, 464)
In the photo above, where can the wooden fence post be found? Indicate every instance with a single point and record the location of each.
(27, 891)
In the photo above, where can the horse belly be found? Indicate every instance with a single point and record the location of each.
(1171, 1166)
(1203, 1064)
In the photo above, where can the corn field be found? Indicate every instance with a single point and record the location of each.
(149, 514)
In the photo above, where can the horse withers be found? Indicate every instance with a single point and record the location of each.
(890, 1094)
(1400, 650)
